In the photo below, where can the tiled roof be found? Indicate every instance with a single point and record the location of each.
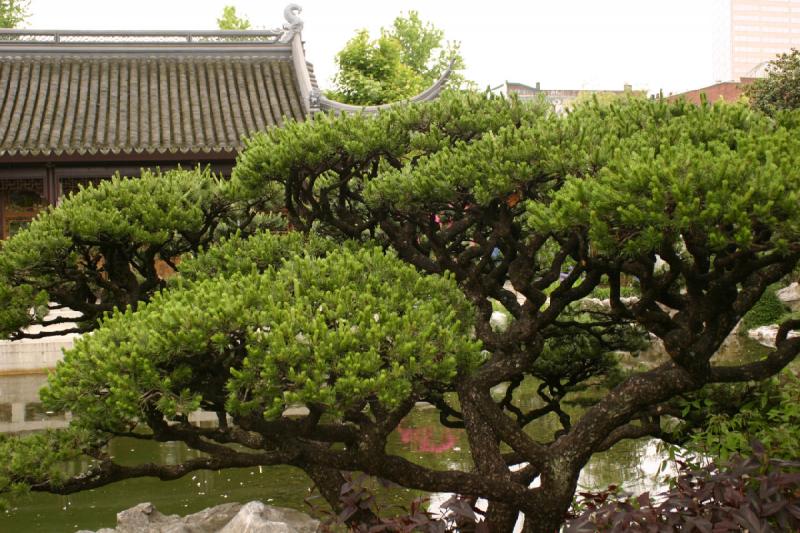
(62, 103)
(127, 92)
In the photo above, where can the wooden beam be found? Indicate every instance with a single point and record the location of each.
(51, 192)
(142, 159)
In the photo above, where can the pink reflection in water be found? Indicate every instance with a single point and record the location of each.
(425, 440)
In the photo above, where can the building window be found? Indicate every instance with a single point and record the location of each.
(18, 209)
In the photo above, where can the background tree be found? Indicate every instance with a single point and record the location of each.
(404, 60)
(13, 12)
(605, 97)
(475, 201)
(230, 21)
(422, 47)
(780, 89)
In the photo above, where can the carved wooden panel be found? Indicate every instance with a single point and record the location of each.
(70, 185)
(26, 184)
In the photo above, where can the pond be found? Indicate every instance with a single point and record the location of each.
(631, 464)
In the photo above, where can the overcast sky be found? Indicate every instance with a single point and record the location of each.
(564, 44)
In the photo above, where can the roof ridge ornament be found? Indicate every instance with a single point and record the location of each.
(294, 24)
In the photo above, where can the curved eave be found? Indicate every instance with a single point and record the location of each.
(326, 104)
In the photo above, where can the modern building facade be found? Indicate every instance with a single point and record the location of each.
(749, 33)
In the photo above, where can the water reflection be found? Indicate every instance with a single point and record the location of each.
(20, 410)
(428, 439)
(633, 465)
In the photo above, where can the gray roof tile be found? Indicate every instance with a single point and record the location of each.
(63, 104)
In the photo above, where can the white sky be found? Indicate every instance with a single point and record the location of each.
(564, 44)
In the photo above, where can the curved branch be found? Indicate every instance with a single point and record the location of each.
(414, 476)
(786, 352)
(508, 430)
(649, 427)
(622, 404)
(107, 471)
(448, 417)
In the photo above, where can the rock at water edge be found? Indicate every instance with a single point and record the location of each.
(255, 517)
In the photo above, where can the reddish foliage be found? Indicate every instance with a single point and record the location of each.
(458, 514)
(753, 494)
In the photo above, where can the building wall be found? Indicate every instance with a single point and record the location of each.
(749, 32)
(563, 99)
(727, 91)
(46, 182)
(721, 33)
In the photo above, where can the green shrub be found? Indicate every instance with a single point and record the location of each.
(768, 310)
(770, 415)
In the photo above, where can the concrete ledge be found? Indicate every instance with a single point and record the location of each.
(32, 356)
(36, 356)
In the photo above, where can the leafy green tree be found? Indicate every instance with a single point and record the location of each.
(231, 21)
(111, 246)
(611, 186)
(404, 60)
(780, 89)
(422, 47)
(13, 12)
(471, 200)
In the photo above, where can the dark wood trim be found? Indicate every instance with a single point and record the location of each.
(141, 159)
(52, 172)
(98, 171)
(24, 172)
(105, 171)
(51, 188)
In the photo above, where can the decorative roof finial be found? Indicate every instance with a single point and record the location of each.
(294, 24)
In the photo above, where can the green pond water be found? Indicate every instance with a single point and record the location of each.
(631, 464)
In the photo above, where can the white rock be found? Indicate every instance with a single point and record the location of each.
(212, 519)
(142, 518)
(255, 517)
(498, 321)
(789, 294)
(594, 304)
(766, 335)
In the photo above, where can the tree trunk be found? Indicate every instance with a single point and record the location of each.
(485, 451)
(548, 509)
(543, 523)
(501, 518)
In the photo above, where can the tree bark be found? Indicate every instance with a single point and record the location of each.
(501, 517)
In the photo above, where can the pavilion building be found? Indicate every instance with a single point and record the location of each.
(79, 106)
